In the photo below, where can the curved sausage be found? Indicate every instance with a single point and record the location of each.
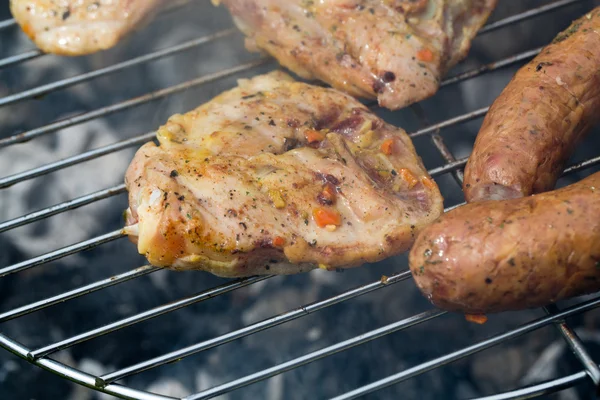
(532, 128)
(494, 256)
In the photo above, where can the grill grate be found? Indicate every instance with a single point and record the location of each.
(107, 383)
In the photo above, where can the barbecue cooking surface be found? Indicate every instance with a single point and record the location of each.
(94, 317)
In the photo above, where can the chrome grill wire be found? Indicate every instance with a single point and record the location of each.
(106, 383)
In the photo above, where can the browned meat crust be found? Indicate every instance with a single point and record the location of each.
(494, 256)
(533, 126)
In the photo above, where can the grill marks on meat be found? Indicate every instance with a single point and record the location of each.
(277, 170)
(533, 127)
(78, 27)
(395, 50)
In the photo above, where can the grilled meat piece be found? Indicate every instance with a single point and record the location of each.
(394, 50)
(533, 127)
(277, 176)
(79, 27)
(502, 255)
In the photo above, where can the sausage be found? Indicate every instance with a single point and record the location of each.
(532, 128)
(502, 255)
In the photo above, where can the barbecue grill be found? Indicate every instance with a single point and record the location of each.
(443, 146)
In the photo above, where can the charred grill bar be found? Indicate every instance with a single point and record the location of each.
(107, 382)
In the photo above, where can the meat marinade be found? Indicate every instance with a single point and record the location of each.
(395, 51)
(534, 125)
(277, 176)
(501, 255)
(80, 27)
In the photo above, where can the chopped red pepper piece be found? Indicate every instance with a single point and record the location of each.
(313, 136)
(425, 55)
(387, 147)
(324, 217)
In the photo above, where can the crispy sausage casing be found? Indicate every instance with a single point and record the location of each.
(494, 256)
(532, 128)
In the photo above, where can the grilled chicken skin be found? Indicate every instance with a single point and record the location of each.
(79, 27)
(394, 50)
(277, 176)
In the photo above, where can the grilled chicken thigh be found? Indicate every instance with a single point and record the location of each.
(277, 176)
(78, 27)
(394, 50)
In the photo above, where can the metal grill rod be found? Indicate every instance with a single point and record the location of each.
(438, 142)
(146, 315)
(62, 207)
(251, 329)
(136, 101)
(316, 355)
(61, 253)
(7, 23)
(78, 159)
(540, 389)
(78, 376)
(583, 165)
(467, 351)
(576, 346)
(451, 122)
(64, 83)
(104, 111)
(484, 69)
(80, 291)
(458, 164)
(534, 12)
(449, 167)
(20, 58)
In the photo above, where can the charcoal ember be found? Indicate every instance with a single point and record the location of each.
(17, 376)
(498, 370)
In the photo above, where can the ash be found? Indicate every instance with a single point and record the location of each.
(532, 358)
